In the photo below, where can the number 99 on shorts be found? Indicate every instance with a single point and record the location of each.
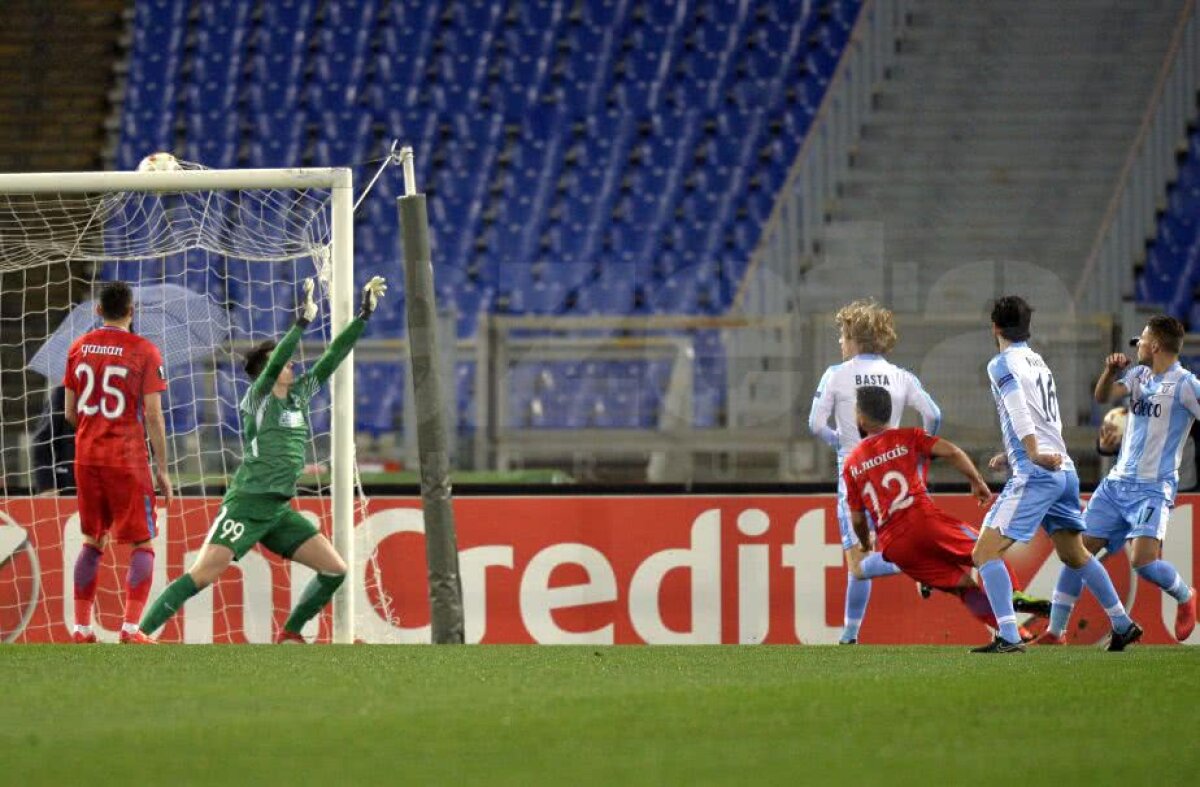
(241, 523)
(232, 531)
(226, 530)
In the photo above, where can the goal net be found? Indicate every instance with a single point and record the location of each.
(216, 260)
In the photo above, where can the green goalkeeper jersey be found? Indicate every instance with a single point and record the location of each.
(275, 432)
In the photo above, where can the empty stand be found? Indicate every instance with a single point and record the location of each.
(580, 156)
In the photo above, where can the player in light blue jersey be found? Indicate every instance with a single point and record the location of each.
(1043, 489)
(1134, 502)
(867, 332)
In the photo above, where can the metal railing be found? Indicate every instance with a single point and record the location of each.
(793, 232)
(1129, 220)
(761, 430)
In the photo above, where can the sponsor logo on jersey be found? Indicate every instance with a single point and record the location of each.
(291, 419)
(1145, 407)
(871, 379)
(876, 461)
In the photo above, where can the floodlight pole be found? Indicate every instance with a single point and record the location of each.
(441, 542)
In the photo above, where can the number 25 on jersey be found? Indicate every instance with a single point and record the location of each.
(111, 398)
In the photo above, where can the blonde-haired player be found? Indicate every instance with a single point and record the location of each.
(867, 333)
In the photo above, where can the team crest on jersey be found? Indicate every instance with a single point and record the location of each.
(1165, 389)
(291, 419)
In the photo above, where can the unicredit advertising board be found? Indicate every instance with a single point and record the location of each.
(556, 570)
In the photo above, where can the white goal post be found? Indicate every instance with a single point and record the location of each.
(339, 183)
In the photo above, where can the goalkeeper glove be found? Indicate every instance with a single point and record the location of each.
(306, 312)
(375, 289)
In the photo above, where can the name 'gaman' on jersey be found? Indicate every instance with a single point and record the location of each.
(1162, 409)
(111, 370)
(1027, 403)
(883, 476)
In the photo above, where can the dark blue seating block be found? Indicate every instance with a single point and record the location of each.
(590, 157)
(180, 402)
(378, 393)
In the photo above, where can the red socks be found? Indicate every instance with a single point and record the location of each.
(87, 568)
(137, 584)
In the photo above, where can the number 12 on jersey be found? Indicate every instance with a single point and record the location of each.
(895, 484)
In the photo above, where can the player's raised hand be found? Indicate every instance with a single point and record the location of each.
(307, 311)
(1047, 461)
(375, 289)
(1116, 362)
(164, 485)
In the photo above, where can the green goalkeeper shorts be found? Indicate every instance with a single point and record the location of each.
(245, 521)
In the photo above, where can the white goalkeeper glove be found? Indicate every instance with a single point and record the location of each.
(306, 312)
(375, 289)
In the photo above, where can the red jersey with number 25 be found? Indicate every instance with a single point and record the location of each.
(884, 477)
(110, 370)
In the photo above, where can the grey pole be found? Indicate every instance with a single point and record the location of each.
(441, 543)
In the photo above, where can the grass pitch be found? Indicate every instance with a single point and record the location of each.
(546, 715)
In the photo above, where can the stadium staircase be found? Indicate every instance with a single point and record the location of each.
(56, 68)
(1001, 132)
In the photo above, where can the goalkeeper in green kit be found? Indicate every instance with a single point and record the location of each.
(257, 507)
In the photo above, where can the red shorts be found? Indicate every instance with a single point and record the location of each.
(933, 548)
(116, 499)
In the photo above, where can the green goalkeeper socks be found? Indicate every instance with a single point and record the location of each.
(168, 603)
(316, 595)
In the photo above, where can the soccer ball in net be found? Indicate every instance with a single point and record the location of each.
(158, 162)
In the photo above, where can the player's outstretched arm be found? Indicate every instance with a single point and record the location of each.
(306, 312)
(1108, 388)
(958, 459)
(343, 343)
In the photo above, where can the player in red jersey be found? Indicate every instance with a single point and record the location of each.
(114, 383)
(884, 478)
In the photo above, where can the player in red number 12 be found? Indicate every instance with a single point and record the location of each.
(884, 479)
(114, 383)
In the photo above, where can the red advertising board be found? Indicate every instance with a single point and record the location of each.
(562, 570)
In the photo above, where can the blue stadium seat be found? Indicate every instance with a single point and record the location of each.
(378, 393)
(343, 138)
